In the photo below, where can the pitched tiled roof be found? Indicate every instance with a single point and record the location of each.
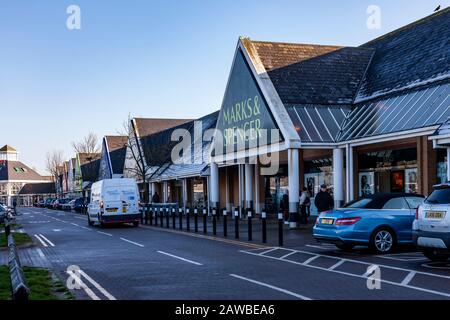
(148, 126)
(38, 188)
(16, 170)
(88, 157)
(7, 148)
(313, 74)
(116, 142)
(412, 55)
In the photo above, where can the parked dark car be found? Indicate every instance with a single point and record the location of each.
(41, 204)
(78, 206)
(60, 202)
(48, 202)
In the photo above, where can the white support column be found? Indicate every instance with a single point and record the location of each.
(214, 181)
(338, 177)
(227, 190)
(185, 193)
(241, 189)
(349, 173)
(294, 186)
(257, 200)
(248, 185)
(165, 192)
(448, 163)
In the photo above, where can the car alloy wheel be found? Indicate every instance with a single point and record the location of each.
(383, 241)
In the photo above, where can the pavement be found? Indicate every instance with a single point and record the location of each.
(155, 263)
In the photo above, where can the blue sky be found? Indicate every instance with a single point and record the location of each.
(148, 58)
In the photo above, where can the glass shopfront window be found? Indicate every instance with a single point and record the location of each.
(318, 172)
(441, 170)
(275, 188)
(388, 171)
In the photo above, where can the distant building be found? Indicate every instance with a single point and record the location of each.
(15, 175)
(114, 149)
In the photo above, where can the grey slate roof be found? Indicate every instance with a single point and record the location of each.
(192, 164)
(38, 188)
(416, 53)
(312, 74)
(16, 170)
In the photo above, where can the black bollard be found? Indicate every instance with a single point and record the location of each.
(250, 227)
(167, 218)
(214, 222)
(225, 226)
(161, 216)
(280, 229)
(180, 218)
(236, 223)
(142, 210)
(155, 213)
(205, 223)
(188, 222)
(264, 226)
(196, 220)
(150, 209)
(173, 219)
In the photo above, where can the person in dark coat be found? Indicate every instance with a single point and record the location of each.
(324, 200)
(155, 198)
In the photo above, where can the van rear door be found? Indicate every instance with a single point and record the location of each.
(129, 200)
(112, 200)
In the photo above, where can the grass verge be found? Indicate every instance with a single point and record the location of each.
(43, 285)
(19, 238)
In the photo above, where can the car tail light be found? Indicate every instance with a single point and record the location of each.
(347, 221)
(417, 213)
(101, 205)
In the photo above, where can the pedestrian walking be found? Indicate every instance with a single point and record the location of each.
(324, 200)
(155, 198)
(305, 205)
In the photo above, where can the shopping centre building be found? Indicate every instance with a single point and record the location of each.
(364, 119)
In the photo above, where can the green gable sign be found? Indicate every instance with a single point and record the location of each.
(245, 119)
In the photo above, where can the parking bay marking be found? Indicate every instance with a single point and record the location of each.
(404, 283)
(271, 287)
(106, 234)
(180, 258)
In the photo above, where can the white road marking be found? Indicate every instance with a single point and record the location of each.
(287, 255)
(56, 230)
(180, 258)
(41, 254)
(99, 287)
(49, 242)
(408, 278)
(74, 224)
(311, 260)
(270, 250)
(320, 247)
(132, 242)
(86, 289)
(359, 275)
(41, 241)
(336, 265)
(271, 287)
(106, 234)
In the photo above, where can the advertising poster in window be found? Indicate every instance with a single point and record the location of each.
(366, 183)
(411, 180)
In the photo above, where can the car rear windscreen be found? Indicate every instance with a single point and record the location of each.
(439, 196)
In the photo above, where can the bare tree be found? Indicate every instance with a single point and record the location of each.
(90, 144)
(135, 156)
(54, 160)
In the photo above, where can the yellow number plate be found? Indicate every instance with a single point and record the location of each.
(111, 210)
(434, 215)
(326, 221)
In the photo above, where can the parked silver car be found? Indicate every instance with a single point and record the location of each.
(431, 228)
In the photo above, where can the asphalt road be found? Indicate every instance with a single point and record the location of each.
(154, 263)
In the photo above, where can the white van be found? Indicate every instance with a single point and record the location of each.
(114, 201)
